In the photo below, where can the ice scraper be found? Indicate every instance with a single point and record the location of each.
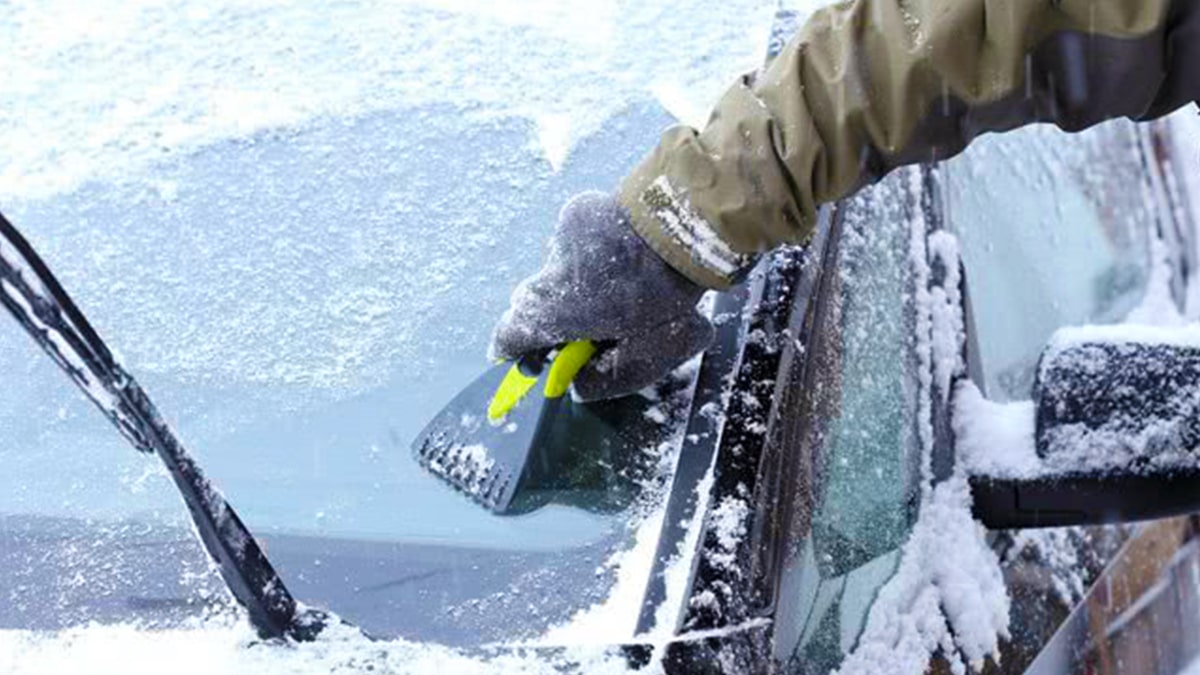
(514, 440)
(494, 437)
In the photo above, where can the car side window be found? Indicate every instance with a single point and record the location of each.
(1055, 229)
(859, 420)
(867, 477)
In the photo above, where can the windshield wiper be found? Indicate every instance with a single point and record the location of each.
(38, 302)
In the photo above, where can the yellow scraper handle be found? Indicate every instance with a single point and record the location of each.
(563, 369)
(516, 385)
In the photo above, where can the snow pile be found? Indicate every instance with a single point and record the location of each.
(728, 523)
(105, 89)
(1124, 333)
(948, 594)
(997, 439)
(230, 648)
(994, 439)
(944, 303)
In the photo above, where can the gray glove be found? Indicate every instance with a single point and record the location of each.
(601, 282)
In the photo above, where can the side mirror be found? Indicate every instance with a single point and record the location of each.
(1112, 433)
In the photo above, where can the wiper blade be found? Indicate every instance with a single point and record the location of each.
(38, 302)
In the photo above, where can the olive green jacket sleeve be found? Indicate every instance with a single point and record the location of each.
(870, 85)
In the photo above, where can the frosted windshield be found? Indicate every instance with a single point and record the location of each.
(296, 227)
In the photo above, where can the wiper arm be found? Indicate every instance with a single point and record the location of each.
(38, 302)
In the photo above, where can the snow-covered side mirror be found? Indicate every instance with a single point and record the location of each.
(1112, 433)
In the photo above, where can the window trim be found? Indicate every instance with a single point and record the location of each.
(791, 300)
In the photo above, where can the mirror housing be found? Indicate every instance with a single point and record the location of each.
(1116, 415)
(1083, 499)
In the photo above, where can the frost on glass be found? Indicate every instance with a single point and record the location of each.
(300, 307)
(297, 225)
(867, 499)
(90, 530)
(865, 451)
(1055, 230)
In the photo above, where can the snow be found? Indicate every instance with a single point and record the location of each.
(1152, 450)
(123, 83)
(726, 528)
(298, 220)
(680, 104)
(11, 258)
(688, 227)
(615, 618)
(1185, 151)
(997, 439)
(118, 84)
(467, 465)
(994, 439)
(948, 593)
(728, 523)
(1123, 333)
(655, 414)
(63, 350)
(230, 648)
(944, 302)
(123, 97)
(554, 137)
(1157, 307)
(924, 329)
(1058, 548)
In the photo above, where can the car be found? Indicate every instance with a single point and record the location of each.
(299, 319)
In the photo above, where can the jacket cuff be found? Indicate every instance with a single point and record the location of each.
(664, 218)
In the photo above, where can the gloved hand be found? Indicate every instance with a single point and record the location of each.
(601, 282)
